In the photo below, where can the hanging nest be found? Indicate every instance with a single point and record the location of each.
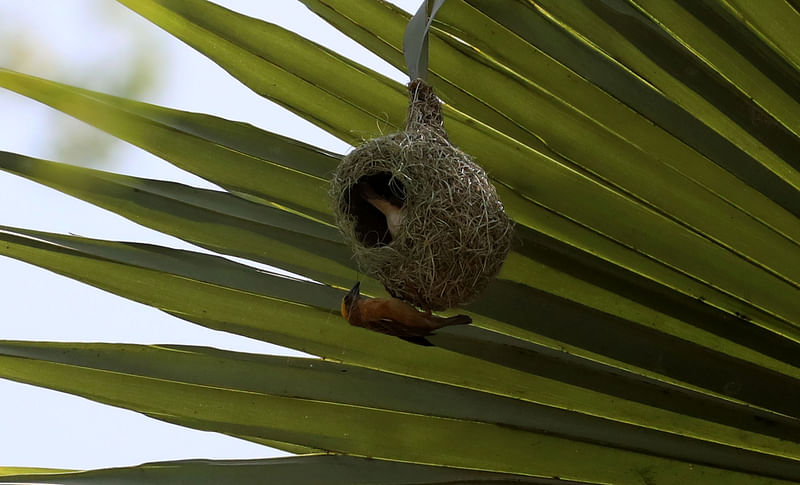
(420, 215)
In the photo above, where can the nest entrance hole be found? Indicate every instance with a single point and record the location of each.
(366, 203)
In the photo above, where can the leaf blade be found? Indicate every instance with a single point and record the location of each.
(185, 140)
(214, 220)
(302, 470)
(230, 297)
(137, 377)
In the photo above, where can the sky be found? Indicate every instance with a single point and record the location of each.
(102, 45)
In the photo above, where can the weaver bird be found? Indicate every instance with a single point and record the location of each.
(394, 317)
(389, 204)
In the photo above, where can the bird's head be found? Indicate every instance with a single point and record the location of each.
(351, 297)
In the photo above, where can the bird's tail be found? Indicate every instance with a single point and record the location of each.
(457, 320)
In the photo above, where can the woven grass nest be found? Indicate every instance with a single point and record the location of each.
(421, 216)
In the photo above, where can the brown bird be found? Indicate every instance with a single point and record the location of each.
(394, 317)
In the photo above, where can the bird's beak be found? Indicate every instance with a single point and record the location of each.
(349, 298)
(355, 291)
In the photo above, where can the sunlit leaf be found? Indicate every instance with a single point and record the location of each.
(302, 470)
(339, 408)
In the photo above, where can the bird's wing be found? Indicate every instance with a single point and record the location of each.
(397, 328)
(394, 317)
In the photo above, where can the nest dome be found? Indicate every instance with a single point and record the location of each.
(421, 216)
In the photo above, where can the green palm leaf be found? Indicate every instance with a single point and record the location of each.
(645, 329)
(236, 156)
(302, 470)
(215, 220)
(341, 408)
